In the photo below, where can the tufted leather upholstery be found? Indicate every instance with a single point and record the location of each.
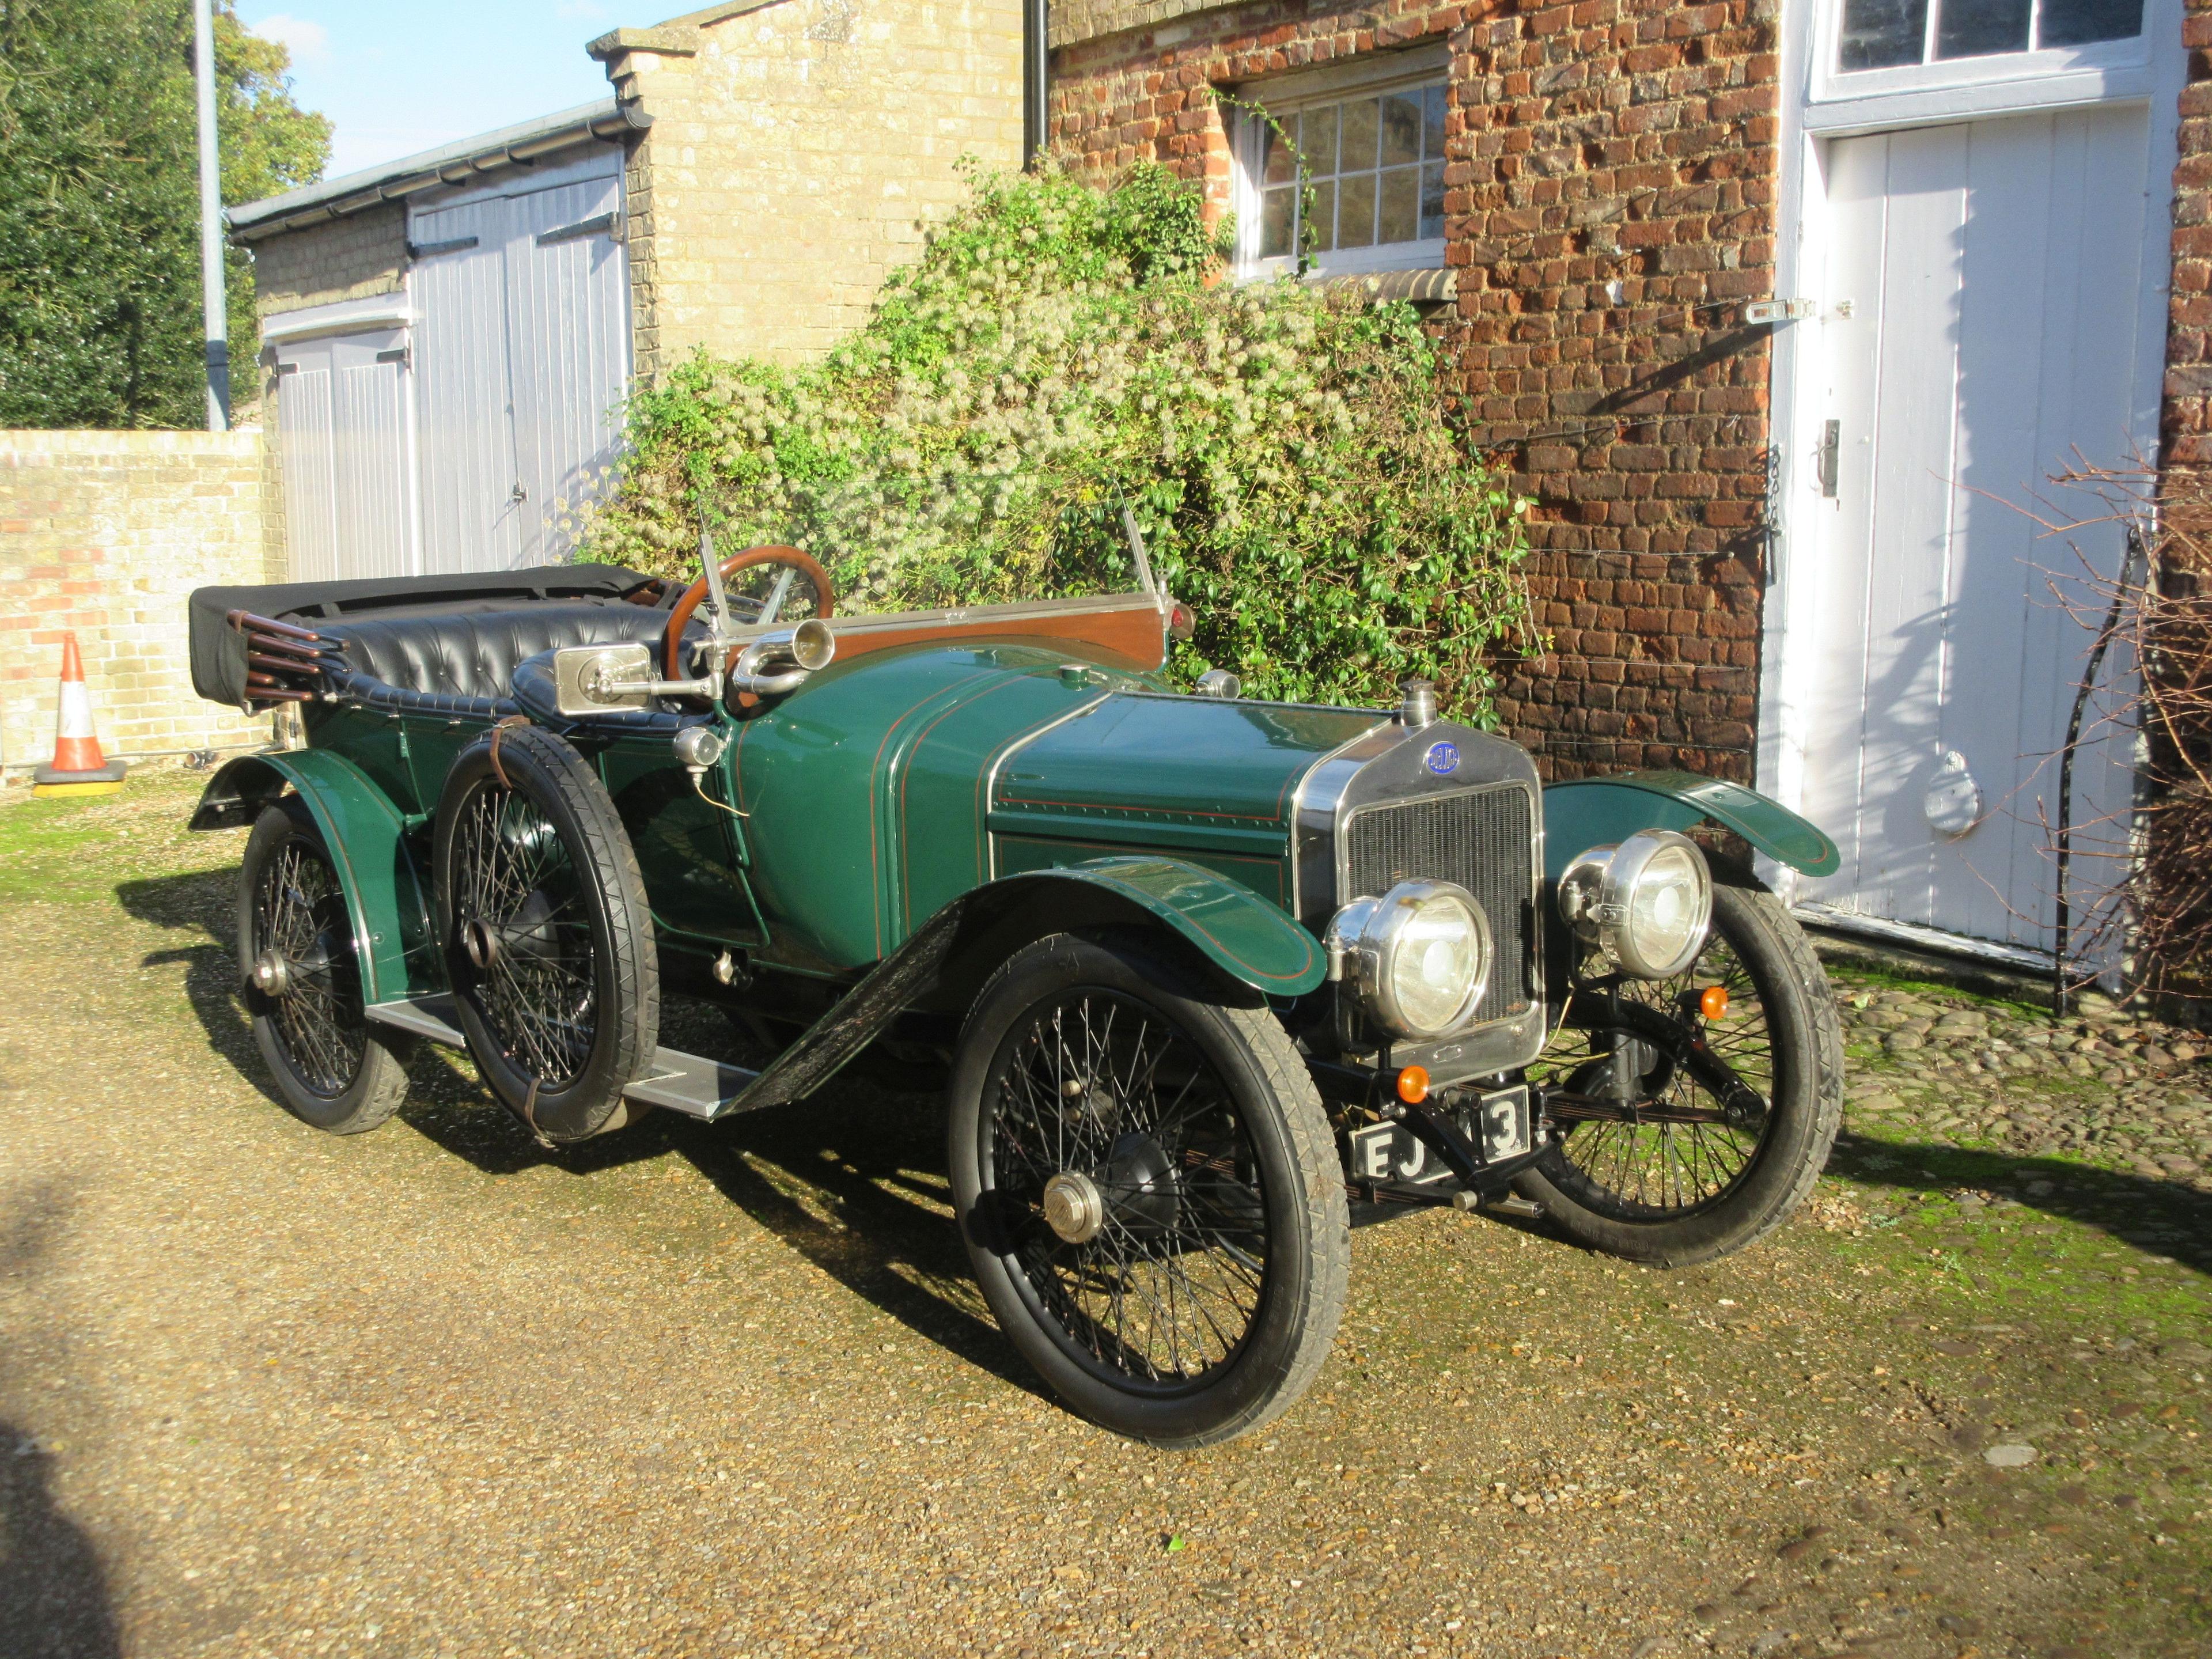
(461, 661)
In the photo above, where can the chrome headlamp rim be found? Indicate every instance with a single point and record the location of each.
(1597, 894)
(1365, 935)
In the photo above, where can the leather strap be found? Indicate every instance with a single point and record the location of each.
(498, 730)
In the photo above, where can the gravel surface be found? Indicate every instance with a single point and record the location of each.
(727, 1390)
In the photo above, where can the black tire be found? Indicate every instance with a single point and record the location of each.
(333, 1068)
(1675, 1195)
(1240, 1162)
(547, 934)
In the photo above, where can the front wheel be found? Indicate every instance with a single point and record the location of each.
(1734, 1111)
(1149, 1192)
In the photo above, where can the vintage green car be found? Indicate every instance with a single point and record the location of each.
(1199, 979)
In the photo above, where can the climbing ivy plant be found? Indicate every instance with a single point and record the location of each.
(1060, 351)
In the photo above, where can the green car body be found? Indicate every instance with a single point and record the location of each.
(895, 784)
(1192, 974)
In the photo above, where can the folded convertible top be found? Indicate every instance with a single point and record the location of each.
(218, 650)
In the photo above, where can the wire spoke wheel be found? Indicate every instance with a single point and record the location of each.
(1703, 1127)
(304, 987)
(546, 932)
(300, 917)
(1709, 1085)
(1151, 1196)
(524, 936)
(1161, 1282)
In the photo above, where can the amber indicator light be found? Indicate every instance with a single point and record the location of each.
(1713, 1005)
(1414, 1084)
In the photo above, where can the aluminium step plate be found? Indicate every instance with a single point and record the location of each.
(426, 1017)
(691, 1084)
(694, 1085)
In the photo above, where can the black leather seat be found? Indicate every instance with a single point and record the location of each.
(461, 663)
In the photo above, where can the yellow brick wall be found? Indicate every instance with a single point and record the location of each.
(106, 533)
(348, 259)
(799, 152)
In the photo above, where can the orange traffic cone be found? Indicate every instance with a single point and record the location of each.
(78, 767)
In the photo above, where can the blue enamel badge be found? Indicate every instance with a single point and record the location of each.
(1443, 759)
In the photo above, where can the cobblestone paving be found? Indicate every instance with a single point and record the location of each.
(2109, 1084)
(727, 1391)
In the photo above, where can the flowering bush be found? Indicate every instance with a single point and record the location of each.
(1058, 352)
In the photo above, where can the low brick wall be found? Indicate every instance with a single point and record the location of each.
(106, 532)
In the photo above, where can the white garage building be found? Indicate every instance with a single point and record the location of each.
(447, 339)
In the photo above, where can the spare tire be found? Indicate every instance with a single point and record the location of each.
(547, 935)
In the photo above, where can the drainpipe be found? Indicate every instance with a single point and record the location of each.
(1037, 47)
(211, 307)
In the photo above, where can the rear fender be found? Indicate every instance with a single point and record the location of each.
(386, 894)
(1590, 812)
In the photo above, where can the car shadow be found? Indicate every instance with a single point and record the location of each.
(54, 1597)
(852, 1180)
(2174, 1218)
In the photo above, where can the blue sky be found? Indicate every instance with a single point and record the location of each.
(400, 75)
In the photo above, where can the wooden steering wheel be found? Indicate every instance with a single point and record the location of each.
(766, 553)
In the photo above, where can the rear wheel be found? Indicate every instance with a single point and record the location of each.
(1150, 1194)
(1735, 1114)
(295, 956)
(549, 941)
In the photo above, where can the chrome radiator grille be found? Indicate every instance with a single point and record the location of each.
(1482, 842)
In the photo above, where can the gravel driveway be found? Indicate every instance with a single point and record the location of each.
(726, 1390)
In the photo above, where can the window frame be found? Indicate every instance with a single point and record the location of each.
(1371, 75)
(2096, 62)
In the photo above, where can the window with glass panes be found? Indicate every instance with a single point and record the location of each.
(1373, 169)
(1897, 33)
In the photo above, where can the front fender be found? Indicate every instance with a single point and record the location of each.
(385, 895)
(1588, 812)
(1230, 926)
(957, 948)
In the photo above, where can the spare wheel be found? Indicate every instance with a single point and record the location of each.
(547, 934)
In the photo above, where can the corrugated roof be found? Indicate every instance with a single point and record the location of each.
(451, 164)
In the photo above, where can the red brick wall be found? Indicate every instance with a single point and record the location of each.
(2187, 424)
(1610, 141)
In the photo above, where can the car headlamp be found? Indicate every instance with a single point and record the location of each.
(1417, 957)
(1646, 902)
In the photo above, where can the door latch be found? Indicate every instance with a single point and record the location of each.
(1823, 464)
(1779, 311)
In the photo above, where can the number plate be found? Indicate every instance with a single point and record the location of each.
(1498, 1122)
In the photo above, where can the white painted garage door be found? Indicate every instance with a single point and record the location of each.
(1983, 303)
(341, 404)
(523, 355)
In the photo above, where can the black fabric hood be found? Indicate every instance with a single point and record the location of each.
(219, 651)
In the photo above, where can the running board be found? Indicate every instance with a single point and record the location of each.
(422, 1017)
(691, 1084)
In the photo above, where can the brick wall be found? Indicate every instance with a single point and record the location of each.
(1628, 142)
(106, 532)
(350, 258)
(797, 152)
(2187, 422)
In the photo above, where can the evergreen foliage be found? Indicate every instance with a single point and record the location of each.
(100, 280)
(1058, 352)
